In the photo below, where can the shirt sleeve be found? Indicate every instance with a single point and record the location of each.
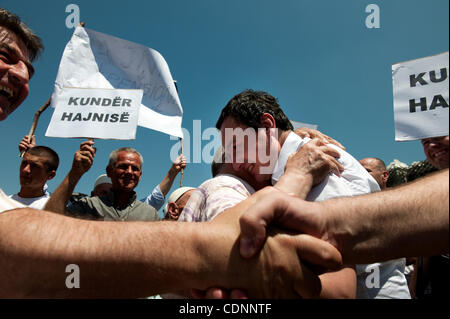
(7, 203)
(80, 208)
(155, 199)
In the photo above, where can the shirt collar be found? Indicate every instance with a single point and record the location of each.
(292, 143)
(110, 198)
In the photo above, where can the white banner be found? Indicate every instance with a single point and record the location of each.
(96, 60)
(95, 113)
(297, 125)
(421, 98)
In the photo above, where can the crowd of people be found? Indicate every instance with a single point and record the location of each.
(311, 222)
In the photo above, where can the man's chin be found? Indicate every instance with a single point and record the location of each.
(128, 188)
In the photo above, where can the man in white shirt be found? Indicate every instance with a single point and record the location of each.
(258, 140)
(265, 158)
(385, 280)
(39, 165)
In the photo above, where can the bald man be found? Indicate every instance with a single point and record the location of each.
(376, 167)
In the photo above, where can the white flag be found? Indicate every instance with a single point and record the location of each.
(100, 61)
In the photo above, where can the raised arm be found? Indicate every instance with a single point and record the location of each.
(82, 162)
(166, 183)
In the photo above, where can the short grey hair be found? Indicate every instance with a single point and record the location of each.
(113, 155)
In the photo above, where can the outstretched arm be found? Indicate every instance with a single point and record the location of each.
(82, 162)
(138, 259)
(409, 220)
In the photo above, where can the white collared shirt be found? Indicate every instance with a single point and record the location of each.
(354, 180)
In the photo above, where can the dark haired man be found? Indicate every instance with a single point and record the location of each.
(39, 165)
(258, 140)
(19, 46)
(254, 114)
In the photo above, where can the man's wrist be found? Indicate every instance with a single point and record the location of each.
(296, 183)
(75, 175)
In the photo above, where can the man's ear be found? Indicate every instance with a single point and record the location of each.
(51, 174)
(267, 121)
(171, 209)
(385, 176)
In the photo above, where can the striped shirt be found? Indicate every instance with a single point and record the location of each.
(215, 196)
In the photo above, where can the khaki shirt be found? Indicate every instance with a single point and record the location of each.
(103, 208)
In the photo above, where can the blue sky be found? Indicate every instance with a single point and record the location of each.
(317, 57)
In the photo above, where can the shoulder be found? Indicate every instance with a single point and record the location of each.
(355, 175)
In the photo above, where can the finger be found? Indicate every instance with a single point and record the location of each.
(84, 160)
(87, 154)
(253, 231)
(88, 143)
(254, 221)
(330, 151)
(335, 167)
(302, 132)
(88, 149)
(216, 293)
(318, 252)
(330, 140)
(308, 285)
(238, 294)
(197, 293)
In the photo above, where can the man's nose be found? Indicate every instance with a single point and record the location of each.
(26, 168)
(129, 170)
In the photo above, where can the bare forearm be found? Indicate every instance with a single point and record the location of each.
(167, 181)
(411, 220)
(298, 185)
(115, 259)
(58, 200)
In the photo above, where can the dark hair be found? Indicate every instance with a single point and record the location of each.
(51, 157)
(32, 42)
(248, 106)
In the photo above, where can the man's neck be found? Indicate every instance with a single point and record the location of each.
(122, 198)
(283, 136)
(30, 192)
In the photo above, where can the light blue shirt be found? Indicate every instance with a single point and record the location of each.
(155, 199)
